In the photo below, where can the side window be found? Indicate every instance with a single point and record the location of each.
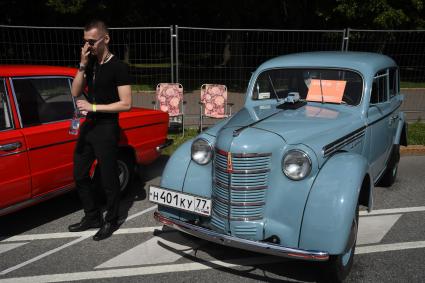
(379, 88)
(262, 88)
(393, 79)
(5, 115)
(43, 100)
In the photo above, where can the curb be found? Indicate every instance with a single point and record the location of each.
(412, 150)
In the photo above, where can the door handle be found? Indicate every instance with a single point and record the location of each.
(393, 118)
(10, 146)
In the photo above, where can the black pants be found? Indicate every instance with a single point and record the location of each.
(98, 140)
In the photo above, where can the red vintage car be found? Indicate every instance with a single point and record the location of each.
(36, 150)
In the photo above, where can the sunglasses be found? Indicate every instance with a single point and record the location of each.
(92, 42)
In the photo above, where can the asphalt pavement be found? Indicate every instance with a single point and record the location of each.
(35, 245)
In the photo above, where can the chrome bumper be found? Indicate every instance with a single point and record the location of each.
(167, 143)
(254, 246)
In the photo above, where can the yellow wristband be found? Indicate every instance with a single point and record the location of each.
(94, 107)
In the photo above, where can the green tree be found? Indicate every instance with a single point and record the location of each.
(373, 14)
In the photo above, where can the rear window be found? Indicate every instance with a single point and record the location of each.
(43, 100)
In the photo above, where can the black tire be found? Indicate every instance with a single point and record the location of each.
(126, 168)
(390, 174)
(339, 266)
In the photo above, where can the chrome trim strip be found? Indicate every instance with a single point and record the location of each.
(251, 218)
(244, 188)
(242, 155)
(13, 153)
(338, 144)
(235, 242)
(254, 171)
(335, 148)
(25, 203)
(240, 204)
(167, 143)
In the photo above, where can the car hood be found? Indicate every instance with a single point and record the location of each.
(313, 124)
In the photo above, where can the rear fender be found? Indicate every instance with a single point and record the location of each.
(401, 134)
(332, 202)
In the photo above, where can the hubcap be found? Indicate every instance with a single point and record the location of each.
(346, 257)
(351, 242)
(395, 170)
(123, 174)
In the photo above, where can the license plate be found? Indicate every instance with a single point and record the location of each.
(180, 201)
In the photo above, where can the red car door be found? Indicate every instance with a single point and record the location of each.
(45, 108)
(15, 180)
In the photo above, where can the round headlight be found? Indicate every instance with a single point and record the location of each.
(201, 151)
(296, 164)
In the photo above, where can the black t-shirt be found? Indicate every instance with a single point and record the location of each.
(103, 82)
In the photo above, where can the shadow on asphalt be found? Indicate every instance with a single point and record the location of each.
(293, 270)
(53, 209)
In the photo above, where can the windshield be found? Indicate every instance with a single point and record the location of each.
(320, 85)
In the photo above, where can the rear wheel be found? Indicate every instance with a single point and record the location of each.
(125, 172)
(390, 174)
(339, 266)
(126, 168)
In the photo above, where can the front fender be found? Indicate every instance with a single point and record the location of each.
(332, 202)
(175, 171)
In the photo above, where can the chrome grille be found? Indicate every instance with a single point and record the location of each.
(241, 193)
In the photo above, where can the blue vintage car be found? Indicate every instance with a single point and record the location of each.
(286, 174)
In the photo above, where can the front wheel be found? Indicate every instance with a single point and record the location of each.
(339, 266)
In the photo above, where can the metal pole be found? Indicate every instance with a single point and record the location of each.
(171, 54)
(347, 39)
(176, 35)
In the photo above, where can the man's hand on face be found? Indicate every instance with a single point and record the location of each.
(85, 52)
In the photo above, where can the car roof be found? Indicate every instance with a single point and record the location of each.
(35, 70)
(364, 62)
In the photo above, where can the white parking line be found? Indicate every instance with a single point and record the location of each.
(148, 270)
(141, 213)
(393, 210)
(194, 266)
(7, 247)
(33, 237)
(42, 256)
(82, 238)
(390, 247)
(86, 234)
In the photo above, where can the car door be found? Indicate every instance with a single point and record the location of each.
(395, 100)
(379, 123)
(15, 180)
(45, 109)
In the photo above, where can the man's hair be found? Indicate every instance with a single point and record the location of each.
(97, 24)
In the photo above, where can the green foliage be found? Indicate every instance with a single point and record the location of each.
(179, 140)
(416, 133)
(374, 14)
(412, 84)
(66, 6)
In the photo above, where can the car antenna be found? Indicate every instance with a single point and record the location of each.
(274, 90)
(321, 90)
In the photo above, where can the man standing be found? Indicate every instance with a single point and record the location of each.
(109, 93)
